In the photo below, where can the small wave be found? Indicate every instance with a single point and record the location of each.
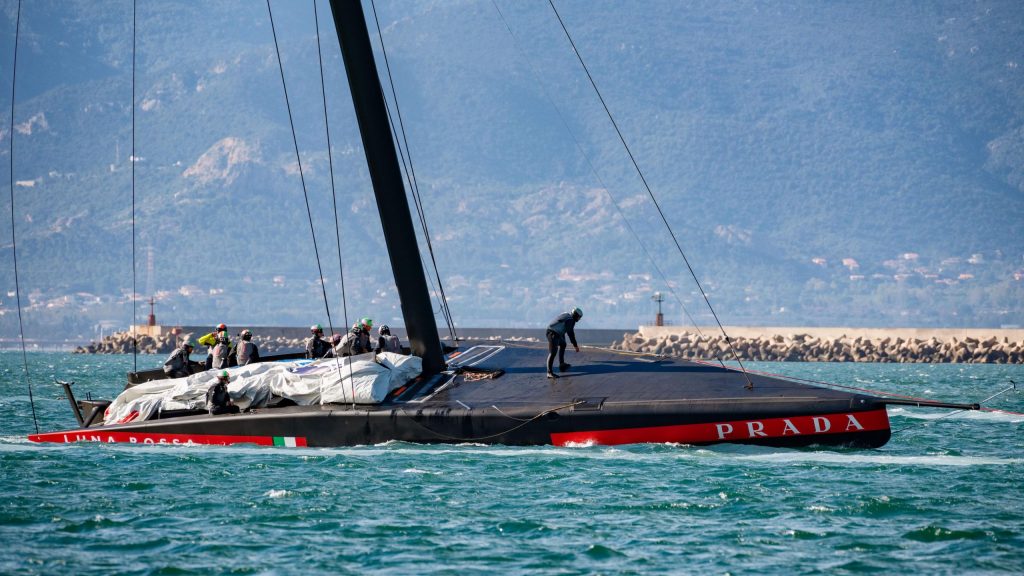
(941, 534)
(975, 415)
(17, 439)
(418, 471)
(277, 493)
(885, 459)
(600, 552)
(586, 444)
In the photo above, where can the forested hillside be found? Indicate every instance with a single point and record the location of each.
(820, 164)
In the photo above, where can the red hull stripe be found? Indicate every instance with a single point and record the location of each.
(98, 435)
(733, 431)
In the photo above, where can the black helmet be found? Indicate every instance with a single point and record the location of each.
(384, 329)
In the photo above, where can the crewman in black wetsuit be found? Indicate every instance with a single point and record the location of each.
(177, 364)
(218, 401)
(316, 346)
(559, 328)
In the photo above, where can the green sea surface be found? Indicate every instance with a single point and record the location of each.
(944, 496)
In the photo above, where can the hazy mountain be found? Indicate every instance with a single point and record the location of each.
(819, 163)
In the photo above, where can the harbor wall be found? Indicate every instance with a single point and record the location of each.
(779, 343)
(831, 344)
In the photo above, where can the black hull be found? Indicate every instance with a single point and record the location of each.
(610, 398)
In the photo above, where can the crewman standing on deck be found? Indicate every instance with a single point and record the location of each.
(352, 343)
(386, 341)
(222, 351)
(366, 324)
(210, 341)
(316, 346)
(563, 325)
(246, 352)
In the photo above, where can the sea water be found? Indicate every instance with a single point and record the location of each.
(944, 496)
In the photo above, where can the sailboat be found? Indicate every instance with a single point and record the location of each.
(498, 393)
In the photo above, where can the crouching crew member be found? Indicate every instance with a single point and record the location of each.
(218, 401)
(387, 342)
(316, 346)
(246, 352)
(177, 364)
(559, 328)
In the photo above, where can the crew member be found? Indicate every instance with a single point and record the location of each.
(316, 346)
(386, 341)
(352, 344)
(177, 364)
(246, 352)
(559, 328)
(221, 351)
(218, 401)
(334, 352)
(210, 341)
(366, 324)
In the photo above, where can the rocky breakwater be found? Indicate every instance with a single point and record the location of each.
(121, 343)
(808, 348)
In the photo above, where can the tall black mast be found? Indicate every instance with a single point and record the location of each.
(382, 160)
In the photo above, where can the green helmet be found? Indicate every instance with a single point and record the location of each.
(577, 312)
(223, 375)
(316, 328)
(367, 323)
(187, 344)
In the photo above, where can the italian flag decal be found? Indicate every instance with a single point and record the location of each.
(289, 441)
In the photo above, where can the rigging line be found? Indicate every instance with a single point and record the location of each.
(14, 242)
(411, 175)
(298, 159)
(135, 345)
(334, 198)
(650, 193)
(330, 164)
(597, 174)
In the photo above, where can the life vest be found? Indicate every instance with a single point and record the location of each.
(244, 352)
(390, 343)
(220, 355)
